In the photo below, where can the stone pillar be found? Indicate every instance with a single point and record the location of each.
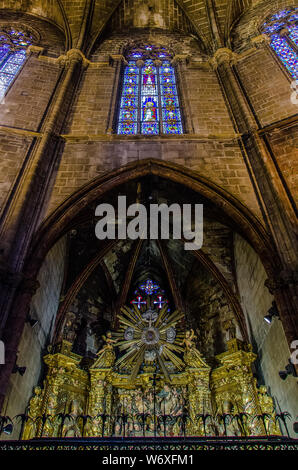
(180, 64)
(26, 210)
(275, 204)
(116, 61)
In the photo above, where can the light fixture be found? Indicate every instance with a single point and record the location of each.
(272, 312)
(20, 370)
(32, 321)
(289, 370)
(8, 429)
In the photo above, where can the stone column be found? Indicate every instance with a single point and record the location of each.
(276, 207)
(180, 64)
(27, 207)
(116, 60)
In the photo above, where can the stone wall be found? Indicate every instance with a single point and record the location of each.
(34, 340)
(268, 341)
(267, 86)
(26, 101)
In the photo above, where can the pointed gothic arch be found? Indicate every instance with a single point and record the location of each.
(63, 217)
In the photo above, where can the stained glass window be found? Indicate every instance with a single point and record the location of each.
(283, 31)
(13, 45)
(149, 289)
(149, 102)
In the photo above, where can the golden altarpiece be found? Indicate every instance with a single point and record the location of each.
(159, 385)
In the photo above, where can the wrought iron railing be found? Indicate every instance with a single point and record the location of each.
(164, 444)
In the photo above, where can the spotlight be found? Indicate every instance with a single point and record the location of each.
(32, 321)
(289, 370)
(20, 370)
(8, 429)
(272, 312)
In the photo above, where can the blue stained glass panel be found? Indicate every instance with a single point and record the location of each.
(149, 90)
(273, 28)
(3, 51)
(149, 93)
(129, 101)
(127, 128)
(131, 80)
(286, 53)
(168, 90)
(130, 90)
(293, 17)
(129, 114)
(294, 33)
(167, 79)
(172, 128)
(169, 101)
(10, 67)
(132, 68)
(149, 108)
(149, 69)
(5, 80)
(171, 114)
(149, 287)
(284, 44)
(150, 128)
(166, 68)
(18, 57)
(280, 14)
(137, 55)
(10, 62)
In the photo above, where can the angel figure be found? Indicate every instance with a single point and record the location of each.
(192, 355)
(189, 340)
(106, 355)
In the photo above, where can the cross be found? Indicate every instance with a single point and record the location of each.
(139, 301)
(160, 301)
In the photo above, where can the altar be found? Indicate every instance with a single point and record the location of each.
(150, 380)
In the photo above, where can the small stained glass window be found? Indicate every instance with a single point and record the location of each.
(151, 289)
(149, 102)
(13, 45)
(283, 31)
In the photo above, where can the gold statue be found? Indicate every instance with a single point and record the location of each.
(106, 355)
(188, 340)
(192, 355)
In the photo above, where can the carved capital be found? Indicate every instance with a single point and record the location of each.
(260, 41)
(180, 59)
(73, 56)
(34, 50)
(140, 63)
(223, 56)
(117, 58)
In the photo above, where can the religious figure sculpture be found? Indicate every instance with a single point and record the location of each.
(69, 331)
(106, 355)
(192, 355)
(34, 410)
(230, 329)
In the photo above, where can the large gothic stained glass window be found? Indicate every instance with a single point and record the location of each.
(13, 45)
(149, 100)
(283, 31)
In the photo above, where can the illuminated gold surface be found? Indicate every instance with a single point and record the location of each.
(110, 388)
